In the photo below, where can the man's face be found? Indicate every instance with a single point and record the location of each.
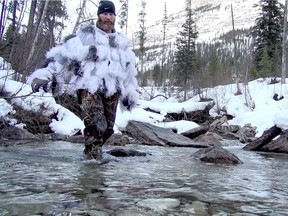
(106, 21)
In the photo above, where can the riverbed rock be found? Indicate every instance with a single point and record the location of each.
(149, 134)
(195, 132)
(209, 138)
(226, 131)
(244, 134)
(216, 154)
(247, 133)
(16, 133)
(121, 152)
(159, 204)
(117, 139)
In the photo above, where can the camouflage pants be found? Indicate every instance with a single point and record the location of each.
(98, 113)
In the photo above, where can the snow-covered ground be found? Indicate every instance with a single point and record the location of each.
(266, 112)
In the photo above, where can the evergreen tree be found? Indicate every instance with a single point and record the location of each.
(142, 34)
(56, 13)
(156, 73)
(214, 68)
(277, 63)
(265, 64)
(185, 55)
(267, 35)
(163, 56)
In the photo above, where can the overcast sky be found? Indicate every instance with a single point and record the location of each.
(154, 10)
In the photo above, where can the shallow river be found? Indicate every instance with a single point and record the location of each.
(53, 179)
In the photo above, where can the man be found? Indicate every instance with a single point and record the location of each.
(97, 67)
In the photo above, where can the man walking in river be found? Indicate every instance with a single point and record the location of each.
(97, 67)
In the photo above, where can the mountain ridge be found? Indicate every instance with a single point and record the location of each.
(213, 19)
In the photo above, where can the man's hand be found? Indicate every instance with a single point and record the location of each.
(39, 83)
(128, 103)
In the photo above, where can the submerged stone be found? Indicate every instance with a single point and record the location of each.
(159, 204)
(121, 152)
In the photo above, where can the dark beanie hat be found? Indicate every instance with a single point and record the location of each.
(106, 6)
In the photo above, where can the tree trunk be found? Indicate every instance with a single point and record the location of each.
(38, 33)
(266, 137)
(234, 58)
(21, 15)
(12, 39)
(31, 19)
(163, 44)
(126, 27)
(14, 15)
(79, 16)
(284, 51)
(2, 18)
(28, 37)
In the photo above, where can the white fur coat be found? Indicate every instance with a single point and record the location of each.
(113, 69)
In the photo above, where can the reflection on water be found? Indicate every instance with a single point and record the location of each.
(52, 178)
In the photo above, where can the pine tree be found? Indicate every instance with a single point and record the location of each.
(164, 23)
(267, 35)
(214, 68)
(156, 73)
(142, 34)
(56, 13)
(265, 64)
(185, 55)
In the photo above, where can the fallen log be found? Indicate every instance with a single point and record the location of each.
(266, 137)
(197, 116)
(279, 145)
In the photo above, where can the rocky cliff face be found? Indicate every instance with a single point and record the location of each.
(213, 18)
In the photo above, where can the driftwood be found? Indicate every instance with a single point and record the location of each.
(279, 145)
(197, 116)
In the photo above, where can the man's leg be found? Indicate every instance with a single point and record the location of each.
(95, 123)
(110, 108)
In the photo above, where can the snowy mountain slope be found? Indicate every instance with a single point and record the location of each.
(213, 18)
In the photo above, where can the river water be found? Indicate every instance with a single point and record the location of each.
(52, 178)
